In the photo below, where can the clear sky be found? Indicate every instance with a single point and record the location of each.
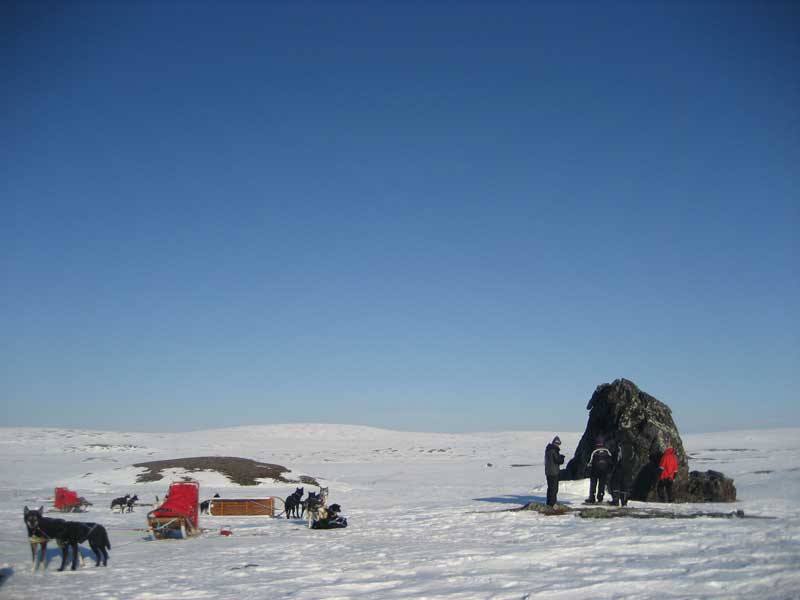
(448, 216)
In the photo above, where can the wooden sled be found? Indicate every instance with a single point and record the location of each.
(242, 507)
(177, 517)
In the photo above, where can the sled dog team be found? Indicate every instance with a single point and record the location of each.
(124, 503)
(69, 534)
(320, 516)
(295, 506)
(602, 466)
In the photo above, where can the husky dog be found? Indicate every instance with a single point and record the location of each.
(293, 506)
(37, 538)
(205, 505)
(315, 505)
(331, 519)
(122, 502)
(129, 504)
(68, 534)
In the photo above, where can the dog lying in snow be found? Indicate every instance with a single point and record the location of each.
(330, 519)
(315, 505)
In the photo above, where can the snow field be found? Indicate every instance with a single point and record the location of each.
(427, 518)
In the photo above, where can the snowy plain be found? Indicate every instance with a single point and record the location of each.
(428, 519)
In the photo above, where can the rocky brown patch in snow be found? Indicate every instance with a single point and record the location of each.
(242, 471)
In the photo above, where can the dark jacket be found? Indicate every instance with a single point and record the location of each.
(600, 460)
(623, 467)
(552, 459)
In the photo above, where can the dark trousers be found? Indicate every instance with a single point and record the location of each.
(620, 497)
(597, 486)
(552, 490)
(664, 489)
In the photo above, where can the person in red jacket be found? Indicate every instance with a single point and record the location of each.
(668, 466)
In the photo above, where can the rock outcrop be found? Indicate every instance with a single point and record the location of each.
(622, 413)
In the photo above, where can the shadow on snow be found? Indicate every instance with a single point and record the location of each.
(513, 499)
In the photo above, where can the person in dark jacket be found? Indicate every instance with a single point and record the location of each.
(622, 476)
(668, 466)
(600, 466)
(552, 459)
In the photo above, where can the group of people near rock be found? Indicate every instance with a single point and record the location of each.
(614, 472)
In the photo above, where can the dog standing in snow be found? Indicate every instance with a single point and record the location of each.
(67, 534)
(292, 504)
(121, 502)
(205, 505)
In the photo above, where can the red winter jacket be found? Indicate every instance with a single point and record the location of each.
(668, 464)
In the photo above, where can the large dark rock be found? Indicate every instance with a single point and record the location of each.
(711, 486)
(622, 413)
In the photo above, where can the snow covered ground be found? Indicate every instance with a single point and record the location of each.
(427, 520)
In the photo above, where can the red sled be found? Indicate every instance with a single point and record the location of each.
(177, 516)
(69, 501)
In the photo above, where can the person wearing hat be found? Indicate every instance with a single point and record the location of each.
(599, 463)
(552, 459)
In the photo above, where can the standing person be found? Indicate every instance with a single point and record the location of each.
(668, 466)
(600, 465)
(552, 459)
(622, 476)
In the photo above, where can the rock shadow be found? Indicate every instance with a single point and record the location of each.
(514, 499)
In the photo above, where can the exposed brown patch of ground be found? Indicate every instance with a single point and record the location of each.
(242, 471)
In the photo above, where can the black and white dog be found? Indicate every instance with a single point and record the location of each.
(293, 506)
(205, 505)
(131, 501)
(67, 534)
(315, 505)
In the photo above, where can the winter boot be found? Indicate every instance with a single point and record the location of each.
(590, 500)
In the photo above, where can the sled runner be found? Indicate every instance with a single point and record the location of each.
(68, 501)
(177, 517)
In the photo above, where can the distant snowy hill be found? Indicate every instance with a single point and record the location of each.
(426, 515)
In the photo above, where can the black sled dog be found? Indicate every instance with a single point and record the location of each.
(293, 506)
(131, 503)
(67, 534)
(121, 502)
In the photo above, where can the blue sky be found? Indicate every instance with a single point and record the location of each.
(444, 216)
